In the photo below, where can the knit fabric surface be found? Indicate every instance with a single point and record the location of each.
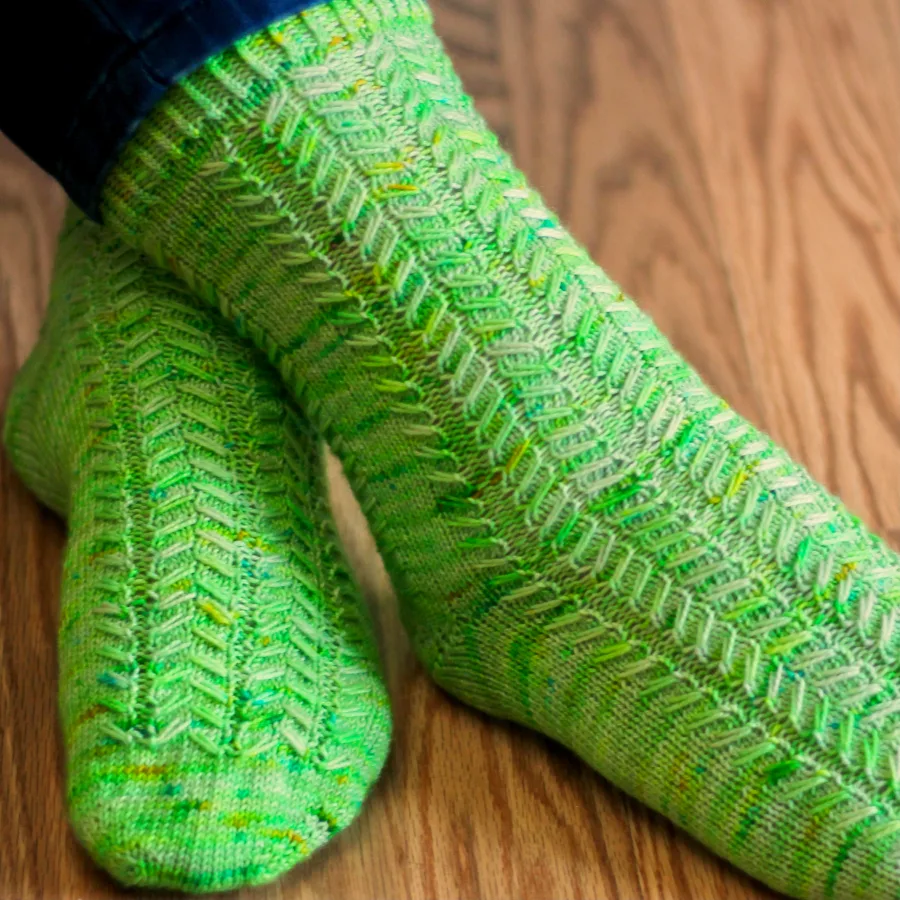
(222, 707)
(584, 538)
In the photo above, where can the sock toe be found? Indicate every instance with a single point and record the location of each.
(165, 821)
(201, 823)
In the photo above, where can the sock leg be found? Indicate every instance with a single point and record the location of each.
(221, 703)
(585, 538)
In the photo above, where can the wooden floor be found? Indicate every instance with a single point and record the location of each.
(736, 164)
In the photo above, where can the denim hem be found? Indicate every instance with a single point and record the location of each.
(111, 62)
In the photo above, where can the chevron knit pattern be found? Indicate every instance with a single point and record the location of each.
(221, 703)
(585, 539)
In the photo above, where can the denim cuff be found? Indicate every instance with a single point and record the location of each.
(103, 66)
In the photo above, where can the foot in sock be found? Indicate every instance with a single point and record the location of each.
(584, 538)
(221, 703)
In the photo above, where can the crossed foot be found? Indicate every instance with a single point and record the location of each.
(583, 537)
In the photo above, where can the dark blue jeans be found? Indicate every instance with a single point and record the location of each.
(97, 67)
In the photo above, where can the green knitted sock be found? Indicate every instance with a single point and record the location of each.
(221, 703)
(585, 539)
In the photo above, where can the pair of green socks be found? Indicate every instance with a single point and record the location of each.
(584, 539)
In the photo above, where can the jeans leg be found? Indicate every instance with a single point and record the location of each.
(97, 67)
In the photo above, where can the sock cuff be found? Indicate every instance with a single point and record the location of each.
(339, 20)
(375, 12)
(240, 80)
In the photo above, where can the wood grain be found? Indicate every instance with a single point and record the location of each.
(736, 165)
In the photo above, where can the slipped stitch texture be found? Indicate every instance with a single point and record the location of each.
(584, 538)
(221, 703)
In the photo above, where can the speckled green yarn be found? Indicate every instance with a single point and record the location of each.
(584, 538)
(221, 702)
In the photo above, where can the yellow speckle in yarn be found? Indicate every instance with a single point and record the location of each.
(91, 713)
(382, 168)
(242, 819)
(145, 771)
(845, 571)
(216, 613)
(292, 836)
(517, 455)
(740, 478)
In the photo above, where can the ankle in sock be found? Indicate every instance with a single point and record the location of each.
(221, 702)
(584, 538)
